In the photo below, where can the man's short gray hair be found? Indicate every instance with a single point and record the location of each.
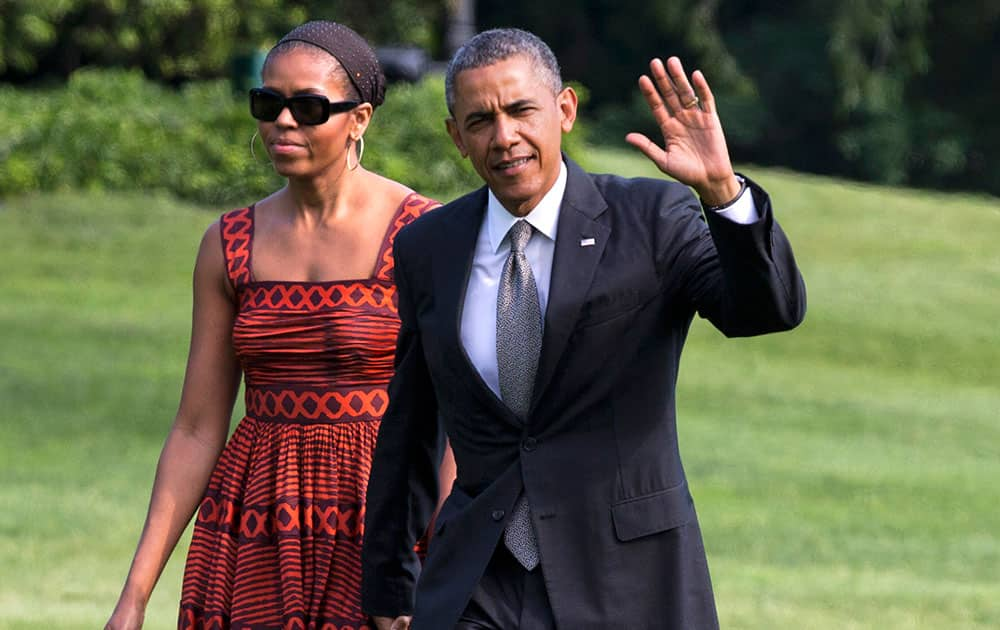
(496, 45)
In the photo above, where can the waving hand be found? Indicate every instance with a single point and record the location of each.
(694, 148)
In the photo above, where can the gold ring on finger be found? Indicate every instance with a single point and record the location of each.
(692, 103)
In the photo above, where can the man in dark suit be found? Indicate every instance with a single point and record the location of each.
(543, 318)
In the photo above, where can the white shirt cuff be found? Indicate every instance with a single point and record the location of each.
(743, 210)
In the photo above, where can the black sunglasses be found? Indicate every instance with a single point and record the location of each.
(306, 109)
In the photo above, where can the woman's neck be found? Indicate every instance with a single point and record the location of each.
(321, 199)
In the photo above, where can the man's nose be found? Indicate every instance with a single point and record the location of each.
(505, 133)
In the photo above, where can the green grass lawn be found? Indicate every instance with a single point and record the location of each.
(845, 473)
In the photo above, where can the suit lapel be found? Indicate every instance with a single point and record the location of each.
(456, 252)
(580, 242)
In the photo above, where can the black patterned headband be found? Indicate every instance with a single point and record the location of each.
(351, 50)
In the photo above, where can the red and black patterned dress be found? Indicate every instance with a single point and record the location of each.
(277, 539)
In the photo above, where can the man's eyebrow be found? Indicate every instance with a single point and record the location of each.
(518, 104)
(486, 114)
(482, 114)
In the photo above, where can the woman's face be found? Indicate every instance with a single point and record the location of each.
(308, 151)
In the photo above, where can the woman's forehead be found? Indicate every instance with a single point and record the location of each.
(302, 69)
(301, 61)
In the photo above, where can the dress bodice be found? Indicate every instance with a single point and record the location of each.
(315, 351)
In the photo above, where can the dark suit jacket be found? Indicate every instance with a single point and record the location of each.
(597, 457)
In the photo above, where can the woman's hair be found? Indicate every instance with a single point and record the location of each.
(496, 45)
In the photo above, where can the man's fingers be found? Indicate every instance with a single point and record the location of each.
(665, 86)
(647, 146)
(687, 98)
(656, 105)
(704, 92)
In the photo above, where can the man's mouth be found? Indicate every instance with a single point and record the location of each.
(512, 164)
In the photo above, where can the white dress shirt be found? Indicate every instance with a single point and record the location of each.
(479, 311)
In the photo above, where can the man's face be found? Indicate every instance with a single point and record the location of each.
(510, 126)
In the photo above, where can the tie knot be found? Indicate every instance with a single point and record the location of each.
(519, 233)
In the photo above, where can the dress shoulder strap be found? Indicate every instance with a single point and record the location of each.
(237, 238)
(412, 207)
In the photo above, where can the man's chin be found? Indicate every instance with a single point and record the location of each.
(515, 196)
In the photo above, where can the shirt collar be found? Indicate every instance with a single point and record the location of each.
(544, 217)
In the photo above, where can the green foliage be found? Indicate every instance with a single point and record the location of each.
(893, 91)
(114, 130)
(855, 88)
(407, 141)
(185, 39)
(876, 48)
(956, 139)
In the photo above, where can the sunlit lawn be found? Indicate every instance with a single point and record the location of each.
(845, 473)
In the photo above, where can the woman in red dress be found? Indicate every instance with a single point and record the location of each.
(296, 293)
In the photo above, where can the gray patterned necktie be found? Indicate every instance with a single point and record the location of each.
(519, 342)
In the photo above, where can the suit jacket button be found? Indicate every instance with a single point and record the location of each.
(529, 444)
(497, 515)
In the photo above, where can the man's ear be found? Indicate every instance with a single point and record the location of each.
(452, 125)
(567, 102)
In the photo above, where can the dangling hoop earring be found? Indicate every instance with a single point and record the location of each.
(361, 153)
(253, 138)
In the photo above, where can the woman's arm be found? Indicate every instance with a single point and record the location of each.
(198, 434)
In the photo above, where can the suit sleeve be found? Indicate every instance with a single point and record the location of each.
(742, 278)
(402, 489)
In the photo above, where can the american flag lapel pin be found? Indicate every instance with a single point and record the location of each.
(587, 242)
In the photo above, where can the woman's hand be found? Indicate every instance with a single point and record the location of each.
(388, 623)
(128, 615)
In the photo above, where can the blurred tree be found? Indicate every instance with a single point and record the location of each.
(953, 118)
(607, 44)
(894, 91)
(876, 48)
(179, 40)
